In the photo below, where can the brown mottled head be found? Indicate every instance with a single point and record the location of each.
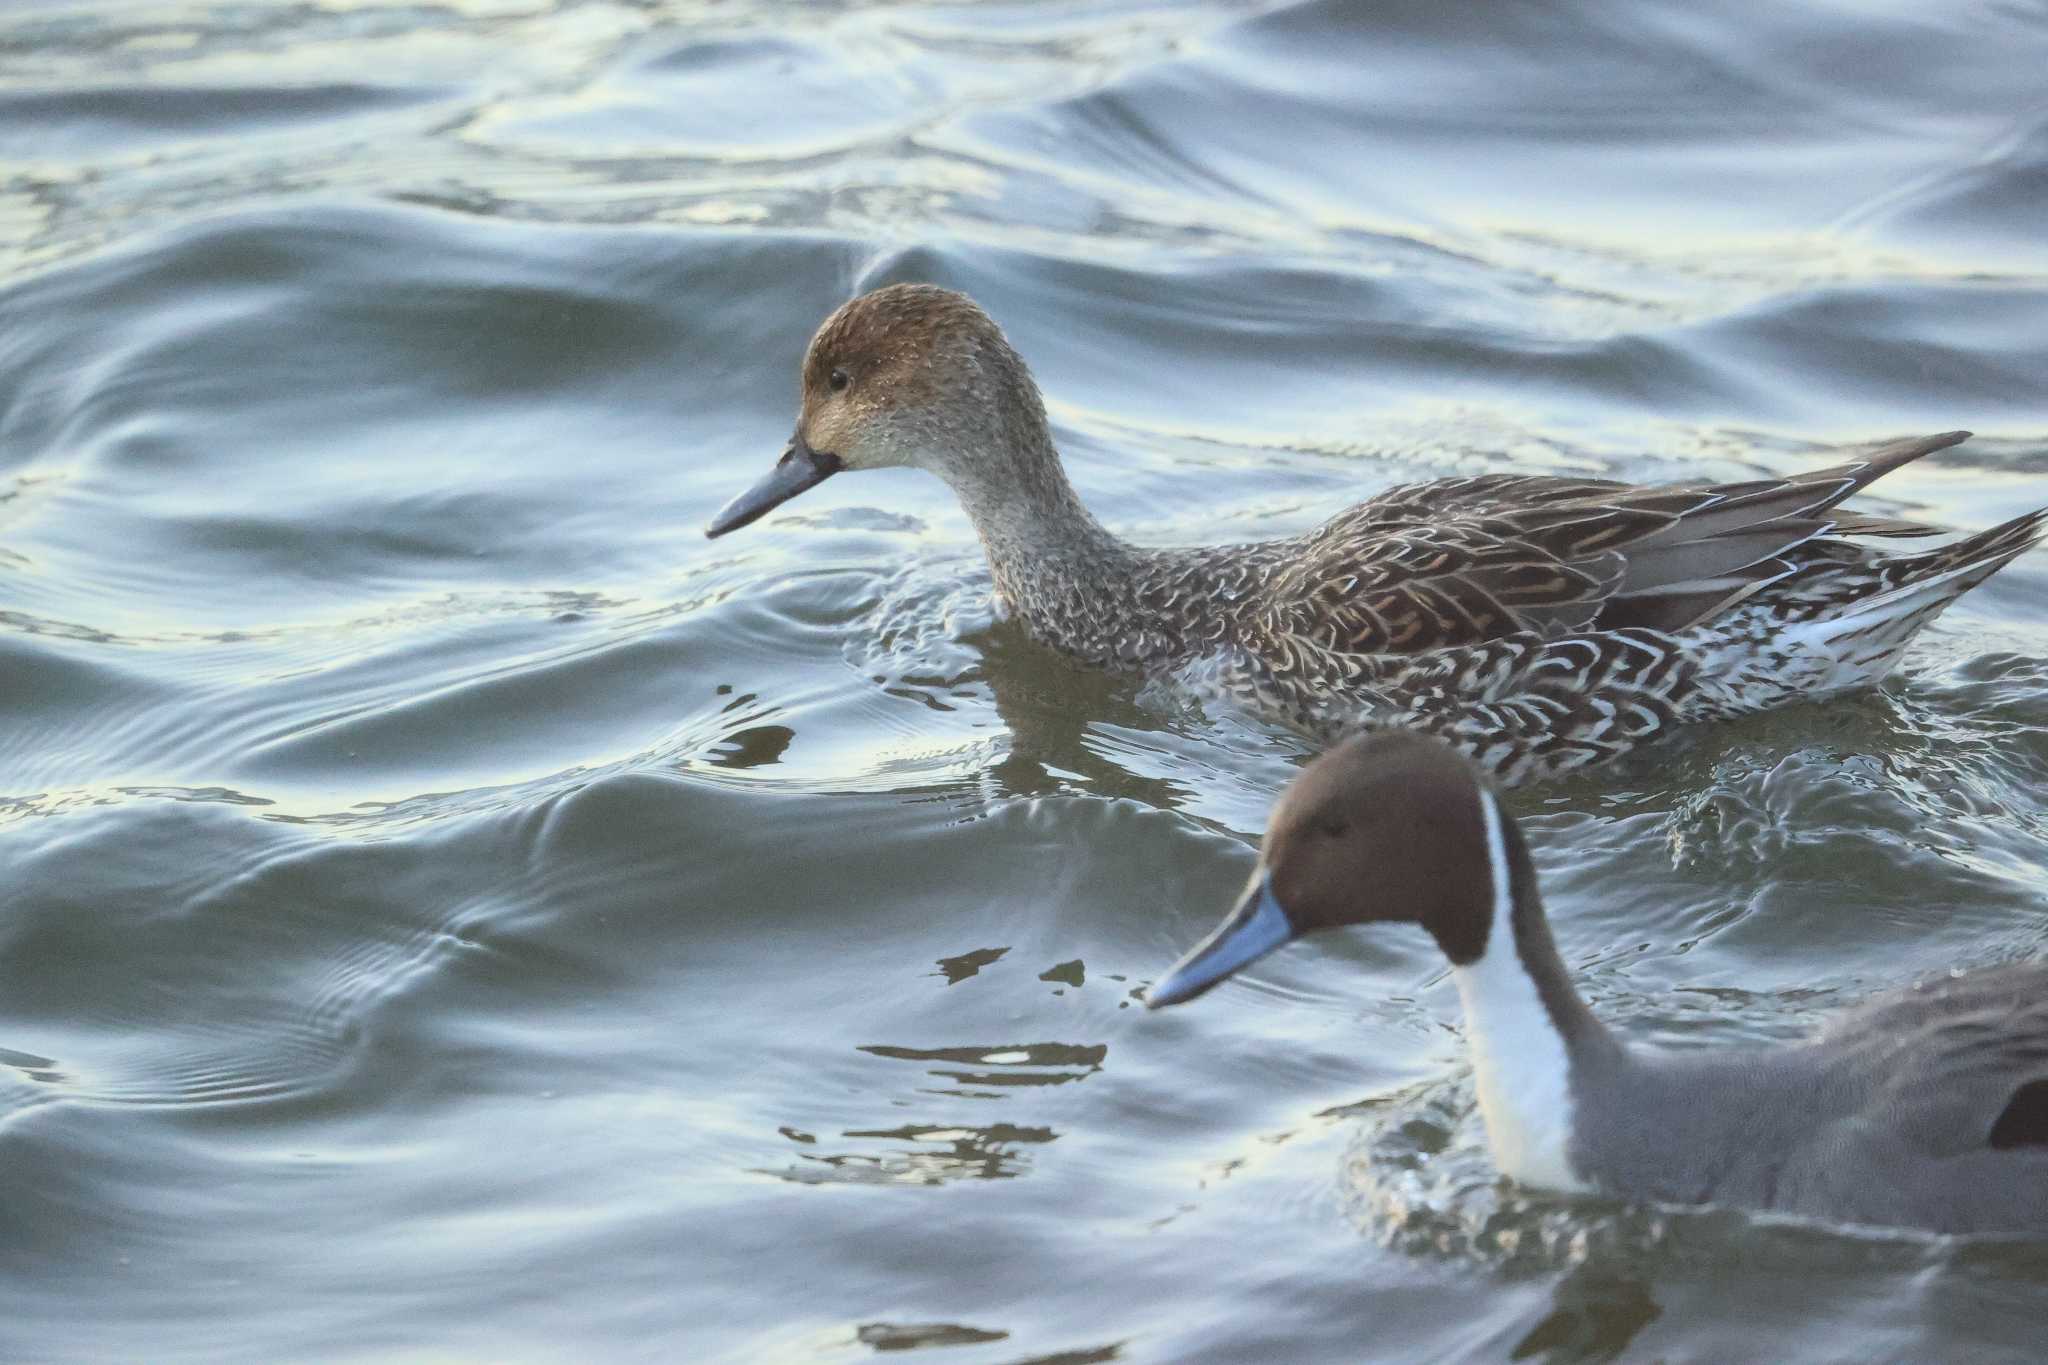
(1387, 826)
(910, 374)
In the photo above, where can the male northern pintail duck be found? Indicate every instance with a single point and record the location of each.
(1539, 623)
(1927, 1109)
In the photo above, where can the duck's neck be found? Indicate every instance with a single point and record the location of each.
(1054, 564)
(1529, 1032)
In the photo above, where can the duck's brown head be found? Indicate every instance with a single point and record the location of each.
(1387, 826)
(910, 374)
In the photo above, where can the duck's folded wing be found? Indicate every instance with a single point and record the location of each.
(1404, 590)
(1548, 571)
(1479, 495)
(1466, 560)
(1947, 1124)
(1958, 1064)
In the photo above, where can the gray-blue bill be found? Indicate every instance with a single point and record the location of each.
(1255, 928)
(799, 468)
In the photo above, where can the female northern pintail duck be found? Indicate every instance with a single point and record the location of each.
(1539, 623)
(1927, 1109)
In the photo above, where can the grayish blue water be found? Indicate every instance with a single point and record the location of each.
(452, 910)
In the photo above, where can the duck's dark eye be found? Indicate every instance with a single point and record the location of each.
(839, 380)
(1331, 827)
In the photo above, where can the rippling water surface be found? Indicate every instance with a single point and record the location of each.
(454, 910)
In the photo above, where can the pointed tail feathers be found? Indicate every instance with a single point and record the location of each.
(1857, 475)
(1954, 569)
(1867, 636)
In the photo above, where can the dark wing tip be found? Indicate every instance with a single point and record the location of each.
(2024, 1120)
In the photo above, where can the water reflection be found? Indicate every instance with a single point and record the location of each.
(959, 968)
(1029, 1064)
(938, 1154)
(757, 746)
(1596, 1313)
(1066, 973)
(1050, 707)
(911, 1336)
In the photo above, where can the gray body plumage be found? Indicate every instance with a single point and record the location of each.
(1885, 1117)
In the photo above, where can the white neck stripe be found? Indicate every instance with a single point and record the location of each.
(1518, 1056)
(1501, 936)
